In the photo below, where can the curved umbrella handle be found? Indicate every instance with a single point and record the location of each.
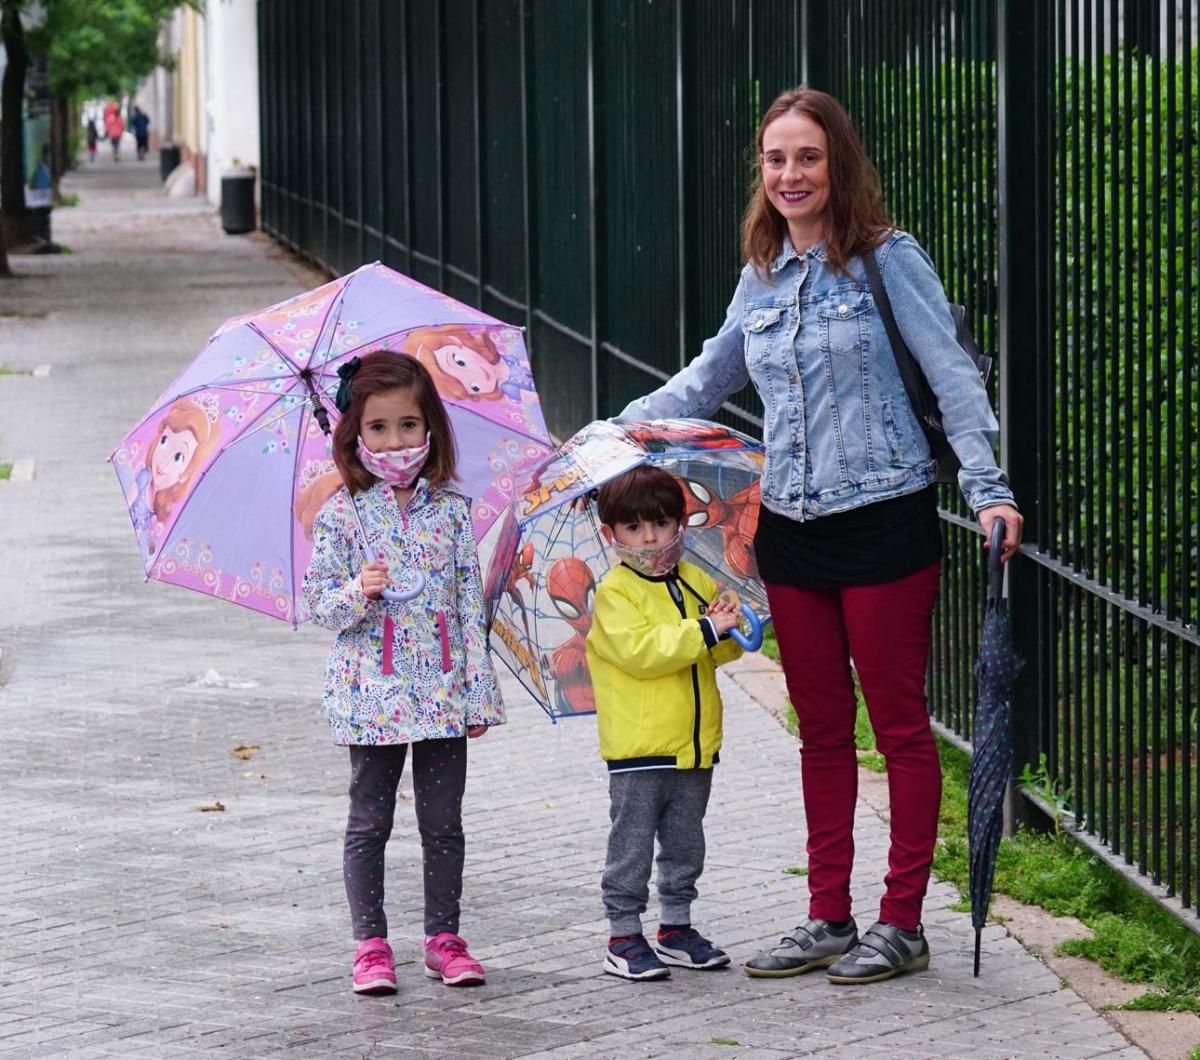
(754, 641)
(397, 596)
(995, 567)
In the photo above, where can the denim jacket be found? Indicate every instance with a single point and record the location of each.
(837, 424)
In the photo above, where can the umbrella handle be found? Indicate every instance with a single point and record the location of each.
(995, 568)
(398, 596)
(754, 641)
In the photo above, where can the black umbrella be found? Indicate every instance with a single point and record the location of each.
(992, 759)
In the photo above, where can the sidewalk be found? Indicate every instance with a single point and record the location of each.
(132, 924)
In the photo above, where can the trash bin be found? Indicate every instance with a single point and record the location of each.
(237, 202)
(168, 159)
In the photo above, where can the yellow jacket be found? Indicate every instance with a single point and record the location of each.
(653, 672)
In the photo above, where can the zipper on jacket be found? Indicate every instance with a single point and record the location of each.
(677, 597)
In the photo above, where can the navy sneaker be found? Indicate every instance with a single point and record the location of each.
(687, 948)
(632, 958)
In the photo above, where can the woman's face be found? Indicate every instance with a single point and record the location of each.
(795, 170)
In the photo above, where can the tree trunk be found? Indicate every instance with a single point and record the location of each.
(60, 160)
(12, 139)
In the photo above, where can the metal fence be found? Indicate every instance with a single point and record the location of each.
(579, 167)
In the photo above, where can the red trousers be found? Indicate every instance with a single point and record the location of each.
(885, 629)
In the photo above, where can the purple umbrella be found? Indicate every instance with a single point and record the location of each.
(226, 472)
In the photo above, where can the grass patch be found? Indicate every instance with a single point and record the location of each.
(770, 646)
(1135, 938)
(22, 314)
(6, 370)
(796, 870)
(725, 1041)
(5, 471)
(1163, 1001)
(70, 199)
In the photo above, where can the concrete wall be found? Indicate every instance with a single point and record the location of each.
(231, 35)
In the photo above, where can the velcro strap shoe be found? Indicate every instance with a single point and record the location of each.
(687, 948)
(884, 951)
(632, 958)
(814, 944)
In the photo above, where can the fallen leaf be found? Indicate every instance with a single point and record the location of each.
(213, 807)
(245, 750)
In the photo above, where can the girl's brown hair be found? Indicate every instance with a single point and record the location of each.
(645, 492)
(383, 370)
(856, 219)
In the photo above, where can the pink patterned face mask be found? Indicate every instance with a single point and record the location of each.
(652, 562)
(397, 467)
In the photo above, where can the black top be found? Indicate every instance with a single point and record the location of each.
(868, 545)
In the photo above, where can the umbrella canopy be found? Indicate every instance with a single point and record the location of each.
(549, 555)
(226, 472)
(996, 670)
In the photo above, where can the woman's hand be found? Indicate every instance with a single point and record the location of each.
(373, 579)
(475, 731)
(1014, 526)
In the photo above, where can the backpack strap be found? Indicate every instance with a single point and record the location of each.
(910, 372)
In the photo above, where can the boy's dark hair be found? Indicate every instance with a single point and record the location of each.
(383, 370)
(645, 492)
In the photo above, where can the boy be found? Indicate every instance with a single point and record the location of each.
(656, 640)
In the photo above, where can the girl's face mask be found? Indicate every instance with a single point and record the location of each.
(653, 562)
(397, 467)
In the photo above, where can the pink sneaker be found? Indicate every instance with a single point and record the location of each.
(374, 971)
(446, 957)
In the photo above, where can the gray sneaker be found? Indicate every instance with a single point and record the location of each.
(884, 951)
(814, 944)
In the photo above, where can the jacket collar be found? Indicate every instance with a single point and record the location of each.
(787, 252)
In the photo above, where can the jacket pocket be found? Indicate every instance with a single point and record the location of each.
(762, 327)
(844, 316)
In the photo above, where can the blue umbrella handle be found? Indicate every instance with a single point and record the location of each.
(754, 641)
(397, 596)
(995, 568)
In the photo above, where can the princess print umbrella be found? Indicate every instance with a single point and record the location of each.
(226, 472)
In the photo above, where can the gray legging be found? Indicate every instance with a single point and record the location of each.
(439, 778)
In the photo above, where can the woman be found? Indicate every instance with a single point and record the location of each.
(848, 541)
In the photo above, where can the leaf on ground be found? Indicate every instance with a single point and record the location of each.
(246, 750)
(796, 870)
(216, 806)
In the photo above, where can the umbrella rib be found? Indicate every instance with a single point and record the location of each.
(296, 369)
(291, 530)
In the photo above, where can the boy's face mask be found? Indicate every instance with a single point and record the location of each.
(397, 467)
(652, 562)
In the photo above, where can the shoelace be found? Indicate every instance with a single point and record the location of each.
(452, 948)
(372, 959)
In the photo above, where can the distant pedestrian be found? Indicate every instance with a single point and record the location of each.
(401, 674)
(114, 128)
(140, 123)
(657, 637)
(93, 135)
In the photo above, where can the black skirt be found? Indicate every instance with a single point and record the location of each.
(868, 545)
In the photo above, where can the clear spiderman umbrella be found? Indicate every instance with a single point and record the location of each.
(549, 554)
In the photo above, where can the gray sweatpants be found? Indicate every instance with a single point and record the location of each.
(668, 804)
(439, 779)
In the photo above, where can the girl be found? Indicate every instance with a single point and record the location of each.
(414, 673)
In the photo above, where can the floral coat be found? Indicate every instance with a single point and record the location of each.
(441, 678)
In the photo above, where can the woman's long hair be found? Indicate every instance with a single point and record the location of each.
(856, 219)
